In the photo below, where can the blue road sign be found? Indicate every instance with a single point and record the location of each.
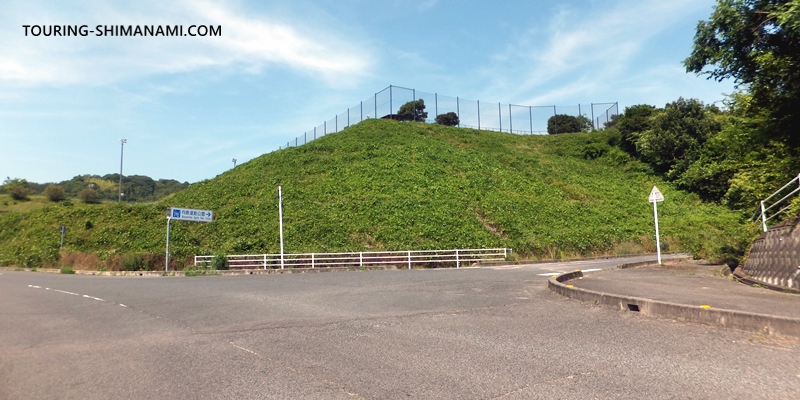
(189, 214)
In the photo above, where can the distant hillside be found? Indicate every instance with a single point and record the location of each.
(392, 185)
(137, 188)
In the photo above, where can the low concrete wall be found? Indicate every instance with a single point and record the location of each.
(775, 256)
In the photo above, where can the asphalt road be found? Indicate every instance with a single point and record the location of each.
(482, 333)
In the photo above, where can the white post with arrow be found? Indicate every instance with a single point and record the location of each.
(655, 197)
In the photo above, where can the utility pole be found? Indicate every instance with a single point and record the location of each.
(121, 148)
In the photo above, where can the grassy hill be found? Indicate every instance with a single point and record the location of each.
(391, 185)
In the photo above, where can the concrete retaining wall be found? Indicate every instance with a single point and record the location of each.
(775, 256)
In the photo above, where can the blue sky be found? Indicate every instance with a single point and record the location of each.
(188, 105)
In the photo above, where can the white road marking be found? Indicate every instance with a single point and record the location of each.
(63, 291)
(559, 273)
(76, 294)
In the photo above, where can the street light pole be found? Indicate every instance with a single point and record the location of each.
(121, 148)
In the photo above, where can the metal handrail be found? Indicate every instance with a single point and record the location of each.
(360, 259)
(764, 208)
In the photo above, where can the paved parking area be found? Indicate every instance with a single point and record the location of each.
(484, 333)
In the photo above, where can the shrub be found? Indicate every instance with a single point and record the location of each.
(88, 195)
(448, 119)
(16, 188)
(134, 262)
(67, 270)
(219, 262)
(563, 123)
(55, 193)
(19, 193)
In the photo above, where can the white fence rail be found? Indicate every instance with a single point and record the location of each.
(767, 206)
(406, 258)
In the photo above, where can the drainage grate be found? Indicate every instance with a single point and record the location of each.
(633, 307)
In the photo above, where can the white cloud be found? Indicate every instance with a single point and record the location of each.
(583, 49)
(249, 43)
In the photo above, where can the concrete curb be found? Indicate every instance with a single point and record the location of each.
(745, 321)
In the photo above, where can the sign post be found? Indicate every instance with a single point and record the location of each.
(280, 220)
(655, 197)
(63, 230)
(185, 214)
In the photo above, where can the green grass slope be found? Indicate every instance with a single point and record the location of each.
(388, 185)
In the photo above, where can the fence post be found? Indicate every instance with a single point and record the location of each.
(457, 262)
(479, 114)
(505, 254)
(510, 123)
(458, 112)
(500, 115)
(763, 217)
(360, 258)
(530, 117)
(265, 261)
(409, 259)
(312, 260)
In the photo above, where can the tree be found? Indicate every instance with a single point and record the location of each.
(88, 195)
(413, 111)
(563, 123)
(756, 43)
(634, 120)
(677, 135)
(55, 193)
(449, 119)
(16, 188)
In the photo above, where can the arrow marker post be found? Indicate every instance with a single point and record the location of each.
(655, 197)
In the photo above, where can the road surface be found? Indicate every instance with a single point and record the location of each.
(473, 333)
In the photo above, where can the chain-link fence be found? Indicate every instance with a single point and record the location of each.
(512, 118)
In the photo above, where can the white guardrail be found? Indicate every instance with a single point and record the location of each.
(765, 207)
(359, 259)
